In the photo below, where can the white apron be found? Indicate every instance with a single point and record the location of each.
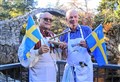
(45, 69)
(74, 72)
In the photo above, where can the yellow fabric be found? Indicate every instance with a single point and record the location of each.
(98, 43)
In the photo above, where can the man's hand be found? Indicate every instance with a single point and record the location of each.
(63, 45)
(43, 49)
(83, 43)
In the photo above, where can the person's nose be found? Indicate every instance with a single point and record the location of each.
(74, 18)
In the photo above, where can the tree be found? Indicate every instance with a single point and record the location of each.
(10, 9)
(109, 10)
(117, 11)
(86, 17)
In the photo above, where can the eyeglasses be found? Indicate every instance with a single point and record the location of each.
(47, 19)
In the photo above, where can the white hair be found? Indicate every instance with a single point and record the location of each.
(69, 11)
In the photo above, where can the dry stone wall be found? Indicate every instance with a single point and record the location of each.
(9, 39)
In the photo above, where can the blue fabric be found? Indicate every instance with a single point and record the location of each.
(96, 40)
(76, 34)
(29, 43)
(74, 56)
(68, 75)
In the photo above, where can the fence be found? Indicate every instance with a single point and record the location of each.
(13, 73)
(107, 73)
(16, 73)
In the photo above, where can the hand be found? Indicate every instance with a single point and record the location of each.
(63, 45)
(43, 49)
(55, 42)
(83, 43)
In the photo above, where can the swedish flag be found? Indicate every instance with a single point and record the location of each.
(96, 44)
(32, 36)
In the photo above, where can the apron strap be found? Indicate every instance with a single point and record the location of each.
(80, 33)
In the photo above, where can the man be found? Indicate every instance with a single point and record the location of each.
(79, 66)
(43, 68)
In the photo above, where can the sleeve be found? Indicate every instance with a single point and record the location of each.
(23, 62)
(63, 38)
(30, 60)
(86, 31)
(89, 30)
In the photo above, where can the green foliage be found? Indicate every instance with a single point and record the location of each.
(99, 18)
(14, 8)
(109, 11)
(58, 25)
(117, 12)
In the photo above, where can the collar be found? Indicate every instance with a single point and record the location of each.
(45, 33)
(77, 29)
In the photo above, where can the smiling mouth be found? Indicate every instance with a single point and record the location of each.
(72, 22)
(47, 24)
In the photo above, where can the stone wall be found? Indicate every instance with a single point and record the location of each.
(9, 39)
(10, 34)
